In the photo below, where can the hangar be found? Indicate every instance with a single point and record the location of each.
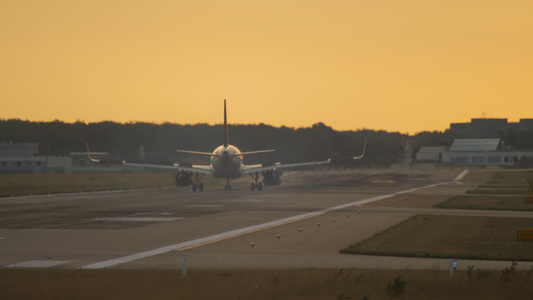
(481, 152)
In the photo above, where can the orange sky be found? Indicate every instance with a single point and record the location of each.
(405, 66)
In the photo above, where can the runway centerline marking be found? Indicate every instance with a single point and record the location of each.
(245, 230)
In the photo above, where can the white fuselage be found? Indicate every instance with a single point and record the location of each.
(227, 162)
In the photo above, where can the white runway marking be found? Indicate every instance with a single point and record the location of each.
(38, 264)
(137, 256)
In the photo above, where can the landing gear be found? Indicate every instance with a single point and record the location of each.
(256, 184)
(197, 185)
(227, 187)
(259, 186)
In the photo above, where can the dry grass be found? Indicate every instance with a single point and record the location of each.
(516, 203)
(507, 183)
(487, 238)
(499, 191)
(513, 175)
(42, 184)
(506, 191)
(24, 184)
(256, 284)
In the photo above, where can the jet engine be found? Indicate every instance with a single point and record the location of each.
(183, 178)
(271, 177)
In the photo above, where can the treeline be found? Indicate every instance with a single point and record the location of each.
(160, 142)
(520, 140)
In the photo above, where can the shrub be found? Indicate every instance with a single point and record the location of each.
(397, 287)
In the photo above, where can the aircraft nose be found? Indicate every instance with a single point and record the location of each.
(225, 154)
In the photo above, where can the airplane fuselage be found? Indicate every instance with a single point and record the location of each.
(227, 162)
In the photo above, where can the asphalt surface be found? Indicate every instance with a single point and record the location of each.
(301, 224)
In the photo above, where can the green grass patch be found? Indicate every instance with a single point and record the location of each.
(486, 202)
(485, 238)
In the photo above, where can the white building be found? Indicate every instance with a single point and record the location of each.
(430, 154)
(486, 152)
(22, 158)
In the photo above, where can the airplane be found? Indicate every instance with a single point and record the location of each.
(227, 163)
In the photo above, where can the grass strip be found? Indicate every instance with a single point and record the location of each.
(484, 238)
(41, 184)
(514, 203)
(495, 191)
(514, 175)
(264, 284)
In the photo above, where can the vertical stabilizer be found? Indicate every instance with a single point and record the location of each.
(225, 127)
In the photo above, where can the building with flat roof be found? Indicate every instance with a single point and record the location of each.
(23, 158)
(18, 149)
(477, 152)
(486, 152)
(489, 128)
(430, 154)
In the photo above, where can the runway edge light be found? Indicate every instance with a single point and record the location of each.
(184, 267)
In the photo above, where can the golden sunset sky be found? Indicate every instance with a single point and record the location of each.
(397, 65)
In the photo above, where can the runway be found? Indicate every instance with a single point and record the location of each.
(315, 214)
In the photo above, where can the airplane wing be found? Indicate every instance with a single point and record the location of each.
(260, 168)
(275, 166)
(203, 169)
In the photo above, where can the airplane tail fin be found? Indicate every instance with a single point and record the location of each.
(361, 156)
(89, 154)
(226, 143)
